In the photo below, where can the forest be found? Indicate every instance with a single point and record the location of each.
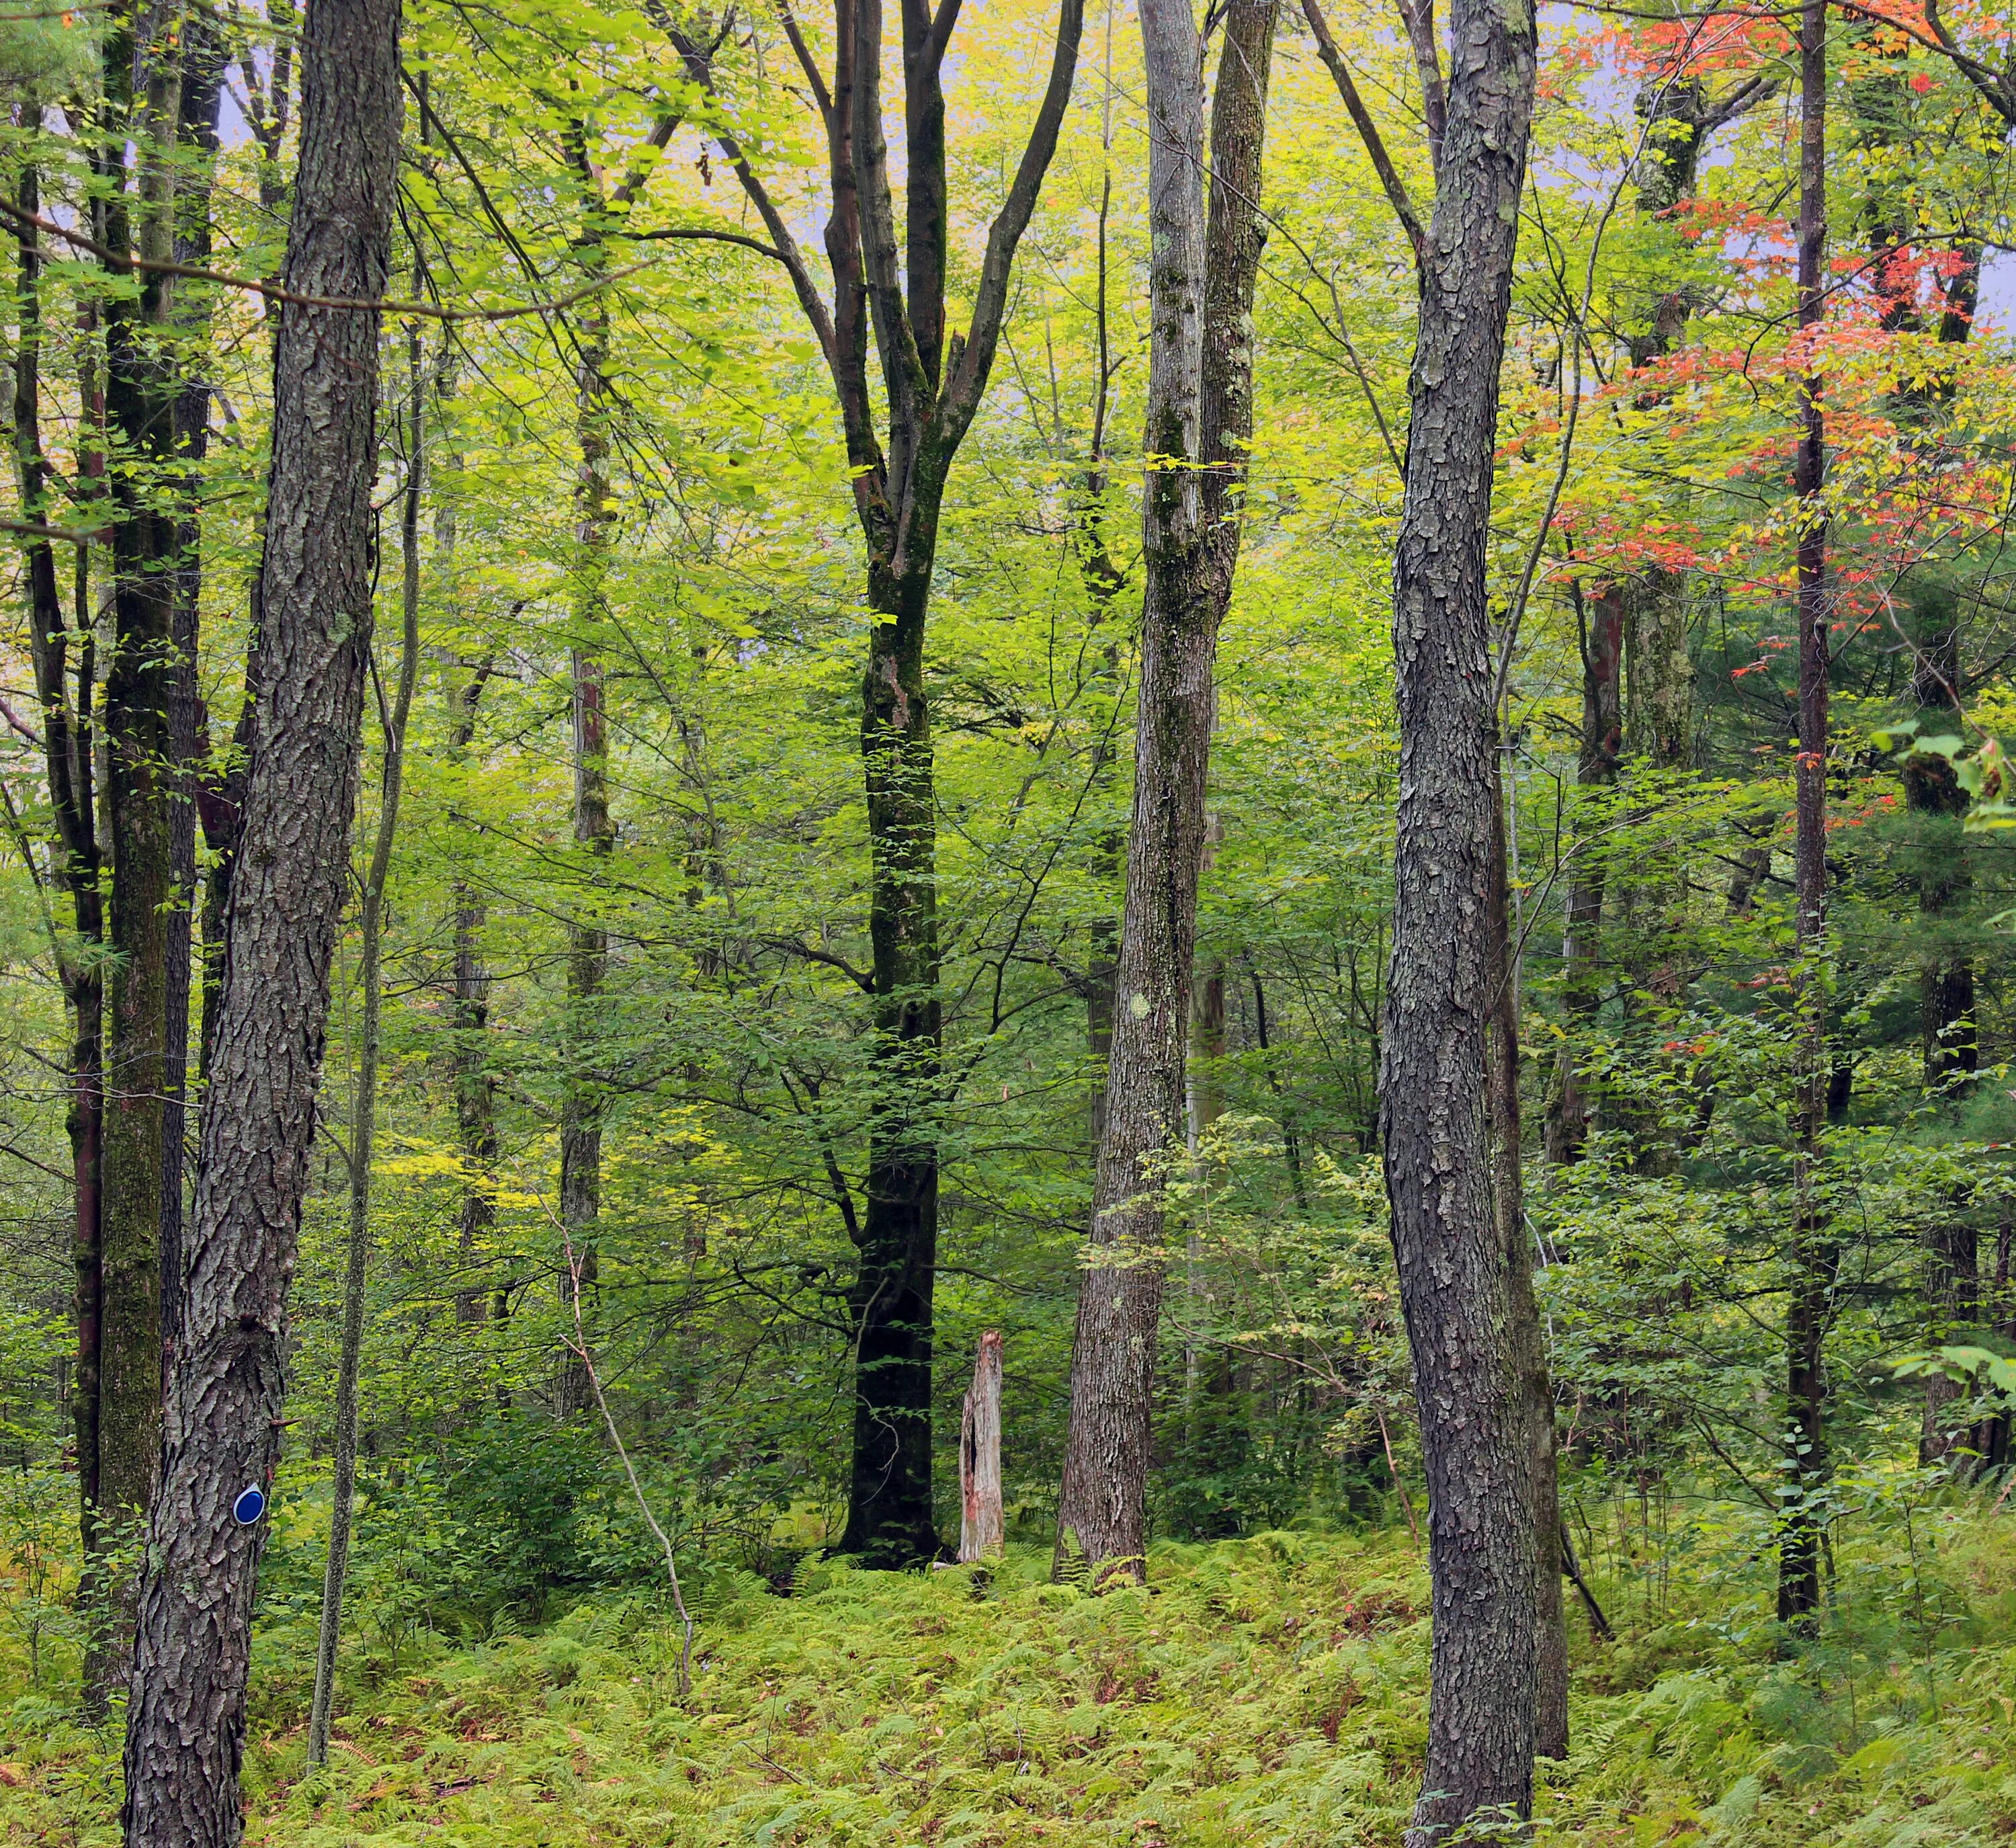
(1023, 920)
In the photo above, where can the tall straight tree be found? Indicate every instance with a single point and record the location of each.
(1815, 1255)
(64, 658)
(134, 214)
(203, 59)
(1199, 424)
(1458, 1285)
(933, 378)
(186, 1719)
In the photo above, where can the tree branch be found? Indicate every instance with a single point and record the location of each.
(1368, 132)
(970, 360)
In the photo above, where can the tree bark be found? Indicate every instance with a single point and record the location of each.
(203, 59)
(1528, 1333)
(137, 217)
(594, 830)
(61, 654)
(475, 1085)
(1571, 1105)
(1459, 1278)
(185, 1726)
(982, 1530)
(1199, 424)
(1813, 1255)
(220, 797)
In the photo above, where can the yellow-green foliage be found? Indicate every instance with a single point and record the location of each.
(1267, 1691)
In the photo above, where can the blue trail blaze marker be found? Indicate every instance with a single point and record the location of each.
(250, 1505)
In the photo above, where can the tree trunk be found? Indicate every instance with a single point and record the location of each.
(1952, 1296)
(220, 800)
(1991, 1435)
(140, 798)
(185, 1726)
(1529, 1334)
(1814, 1256)
(588, 942)
(68, 764)
(1571, 1106)
(1291, 1138)
(933, 380)
(1459, 1281)
(1202, 279)
(475, 1085)
(364, 1111)
(982, 1530)
(204, 60)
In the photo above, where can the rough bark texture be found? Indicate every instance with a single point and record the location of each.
(1459, 1278)
(933, 380)
(185, 1727)
(1200, 411)
(1814, 1258)
(982, 1528)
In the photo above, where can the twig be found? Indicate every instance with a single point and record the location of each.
(579, 1345)
(1406, 1507)
(273, 292)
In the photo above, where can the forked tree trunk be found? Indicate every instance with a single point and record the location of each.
(933, 378)
(1200, 411)
(1460, 1279)
(982, 1528)
(186, 1719)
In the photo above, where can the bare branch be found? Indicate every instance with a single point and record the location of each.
(1368, 132)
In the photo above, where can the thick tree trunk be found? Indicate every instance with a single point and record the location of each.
(982, 1530)
(1201, 279)
(185, 1727)
(889, 1510)
(1814, 1257)
(1459, 1279)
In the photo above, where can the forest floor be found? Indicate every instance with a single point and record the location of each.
(1267, 1691)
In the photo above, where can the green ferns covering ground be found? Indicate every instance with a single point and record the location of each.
(1270, 1689)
